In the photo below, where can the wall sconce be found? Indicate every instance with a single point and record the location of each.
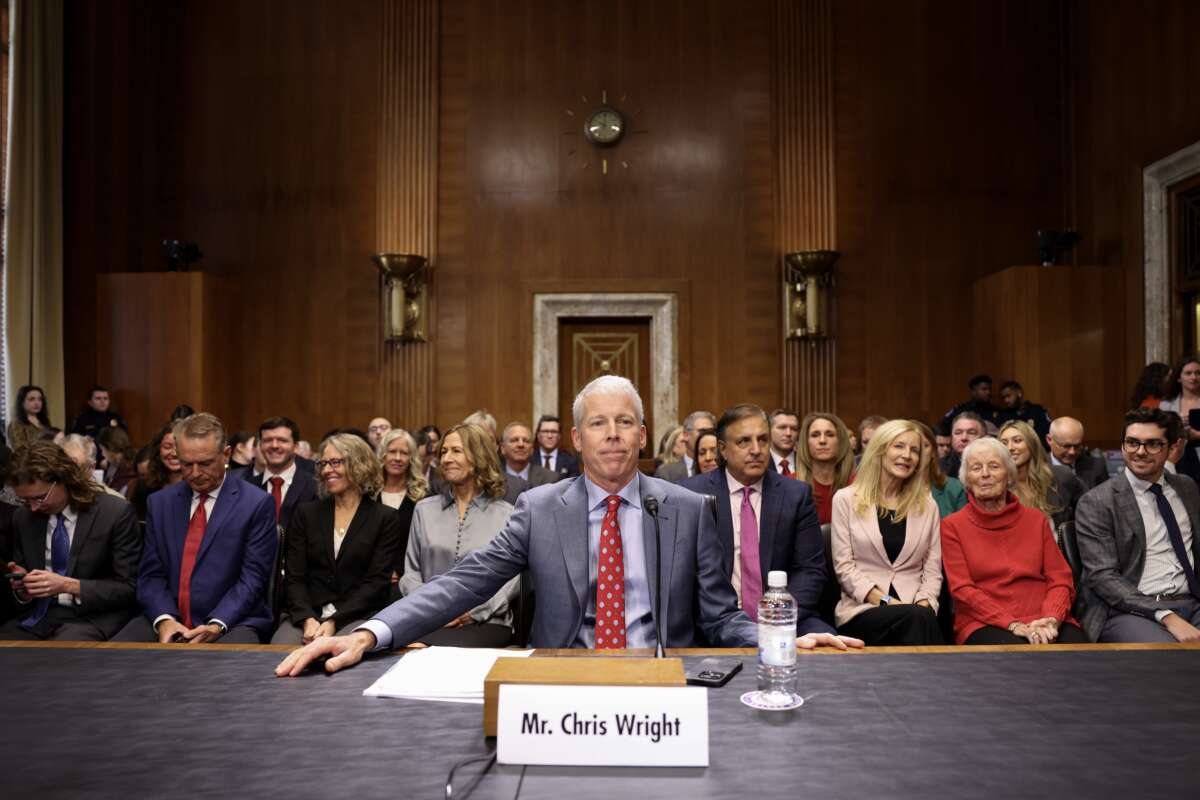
(405, 296)
(808, 279)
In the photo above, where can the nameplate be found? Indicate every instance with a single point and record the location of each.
(607, 726)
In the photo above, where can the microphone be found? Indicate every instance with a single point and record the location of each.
(651, 506)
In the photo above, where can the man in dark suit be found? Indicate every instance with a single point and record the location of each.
(1065, 441)
(684, 468)
(785, 429)
(516, 449)
(1139, 541)
(549, 454)
(77, 547)
(287, 481)
(210, 547)
(765, 522)
(568, 535)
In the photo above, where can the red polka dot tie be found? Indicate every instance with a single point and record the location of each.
(610, 582)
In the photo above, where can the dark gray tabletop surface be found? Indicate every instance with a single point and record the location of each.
(141, 724)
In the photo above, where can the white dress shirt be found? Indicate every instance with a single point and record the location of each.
(288, 476)
(690, 463)
(790, 458)
(552, 455)
(1162, 572)
(523, 474)
(736, 491)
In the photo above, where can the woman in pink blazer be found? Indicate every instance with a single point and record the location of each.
(886, 543)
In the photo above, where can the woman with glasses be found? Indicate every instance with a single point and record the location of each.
(824, 459)
(1009, 580)
(30, 417)
(449, 526)
(886, 546)
(1052, 489)
(340, 548)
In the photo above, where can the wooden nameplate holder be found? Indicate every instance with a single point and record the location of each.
(579, 671)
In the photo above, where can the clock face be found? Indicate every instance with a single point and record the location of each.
(604, 127)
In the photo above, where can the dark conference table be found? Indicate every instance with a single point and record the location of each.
(149, 721)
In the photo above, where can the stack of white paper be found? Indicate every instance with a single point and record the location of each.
(447, 674)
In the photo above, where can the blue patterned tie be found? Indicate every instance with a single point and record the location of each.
(60, 551)
(1176, 537)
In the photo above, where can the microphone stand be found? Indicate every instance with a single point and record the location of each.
(651, 505)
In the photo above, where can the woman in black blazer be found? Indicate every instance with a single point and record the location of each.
(341, 548)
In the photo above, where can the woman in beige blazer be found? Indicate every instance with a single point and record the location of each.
(886, 543)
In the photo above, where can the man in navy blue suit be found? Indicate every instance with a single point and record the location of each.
(764, 521)
(549, 453)
(209, 550)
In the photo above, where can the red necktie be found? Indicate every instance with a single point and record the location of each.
(191, 548)
(277, 493)
(787, 470)
(610, 582)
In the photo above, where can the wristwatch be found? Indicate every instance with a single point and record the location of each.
(887, 598)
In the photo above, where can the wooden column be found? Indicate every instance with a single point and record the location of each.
(804, 62)
(407, 203)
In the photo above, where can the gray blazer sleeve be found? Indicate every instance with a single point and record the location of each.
(472, 582)
(1096, 524)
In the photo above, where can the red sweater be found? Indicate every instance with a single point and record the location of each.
(1004, 567)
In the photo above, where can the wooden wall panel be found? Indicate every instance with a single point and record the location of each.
(407, 186)
(524, 201)
(947, 162)
(1132, 73)
(804, 88)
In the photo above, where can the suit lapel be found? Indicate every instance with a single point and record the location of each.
(1131, 515)
(226, 499)
(572, 523)
(913, 524)
(719, 489)
(33, 531)
(876, 536)
(84, 523)
(356, 524)
(325, 520)
(768, 519)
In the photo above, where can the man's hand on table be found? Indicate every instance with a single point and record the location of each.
(343, 651)
(169, 629)
(812, 640)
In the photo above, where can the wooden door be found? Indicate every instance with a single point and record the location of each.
(594, 346)
(1183, 224)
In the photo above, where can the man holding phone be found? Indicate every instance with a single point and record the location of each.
(75, 552)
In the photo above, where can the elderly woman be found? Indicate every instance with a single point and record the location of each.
(705, 452)
(886, 546)
(403, 484)
(340, 548)
(1053, 490)
(824, 459)
(1009, 581)
(447, 527)
(30, 417)
(947, 492)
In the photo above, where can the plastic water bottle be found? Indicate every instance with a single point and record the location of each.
(777, 642)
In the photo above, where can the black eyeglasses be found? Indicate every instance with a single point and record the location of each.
(336, 463)
(1153, 446)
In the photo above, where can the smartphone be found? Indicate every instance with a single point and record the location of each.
(14, 576)
(713, 672)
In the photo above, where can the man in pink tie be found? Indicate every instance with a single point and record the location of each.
(764, 521)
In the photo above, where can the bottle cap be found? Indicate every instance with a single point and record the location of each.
(776, 579)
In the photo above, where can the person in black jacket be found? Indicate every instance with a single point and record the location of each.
(97, 414)
(341, 548)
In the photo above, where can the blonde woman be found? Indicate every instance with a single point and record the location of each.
(403, 484)
(340, 548)
(1050, 489)
(671, 447)
(824, 459)
(886, 545)
(447, 527)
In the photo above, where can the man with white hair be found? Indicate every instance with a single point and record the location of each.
(587, 544)
(1065, 441)
(677, 471)
(82, 450)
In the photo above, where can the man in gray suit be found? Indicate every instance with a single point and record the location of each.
(77, 548)
(685, 468)
(1139, 541)
(572, 536)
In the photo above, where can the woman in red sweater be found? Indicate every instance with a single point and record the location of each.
(1009, 581)
(824, 460)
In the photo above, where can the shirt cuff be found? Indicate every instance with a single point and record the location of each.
(224, 627)
(159, 619)
(382, 633)
(1161, 614)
